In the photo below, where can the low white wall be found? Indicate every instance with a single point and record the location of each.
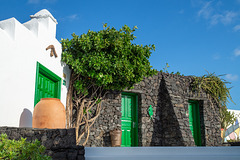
(162, 153)
(21, 49)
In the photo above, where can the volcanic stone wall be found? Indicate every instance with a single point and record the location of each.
(169, 95)
(179, 93)
(108, 120)
(60, 143)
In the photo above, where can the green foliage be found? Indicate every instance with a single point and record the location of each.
(107, 58)
(165, 68)
(214, 86)
(227, 117)
(234, 140)
(21, 149)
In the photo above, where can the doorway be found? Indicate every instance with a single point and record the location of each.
(129, 119)
(194, 121)
(48, 84)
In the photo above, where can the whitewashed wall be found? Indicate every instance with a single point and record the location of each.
(21, 47)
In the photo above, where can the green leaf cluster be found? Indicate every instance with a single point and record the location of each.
(107, 58)
(21, 149)
(215, 86)
(227, 117)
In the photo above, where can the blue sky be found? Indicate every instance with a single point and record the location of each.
(190, 35)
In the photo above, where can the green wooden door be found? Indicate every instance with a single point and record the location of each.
(194, 121)
(48, 84)
(129, 120)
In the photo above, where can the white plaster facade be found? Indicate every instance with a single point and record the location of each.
(21, 47)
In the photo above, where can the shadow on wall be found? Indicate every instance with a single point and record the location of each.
(157, 125)
(203, 135)
(26, 118)
(139, 120)
(167, 124)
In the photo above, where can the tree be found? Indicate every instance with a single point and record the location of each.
(101, 61)
(227, 118)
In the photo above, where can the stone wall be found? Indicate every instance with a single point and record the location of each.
(60, 143)
(180, 93)
(169, 95)
(108, 120)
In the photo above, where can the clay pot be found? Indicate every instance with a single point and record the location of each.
(49, 113)
(116, 138)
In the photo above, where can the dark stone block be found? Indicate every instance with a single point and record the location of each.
(59, 156)
(71, 132)
(80, 157)
(72, 155)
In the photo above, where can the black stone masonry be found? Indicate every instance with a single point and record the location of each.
(60, 143)
(169, 94)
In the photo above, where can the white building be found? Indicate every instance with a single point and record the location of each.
(233, 130)
(27, 71)
(236, 113)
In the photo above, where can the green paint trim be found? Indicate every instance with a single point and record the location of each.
(49, 74)
(135, 117)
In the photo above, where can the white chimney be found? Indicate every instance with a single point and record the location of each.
(42, 24)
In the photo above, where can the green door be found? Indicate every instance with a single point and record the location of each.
(129, 120)
(48, 84)
(194, 121)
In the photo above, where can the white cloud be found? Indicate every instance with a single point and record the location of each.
(228, 17)
(206, 10)
(72, 17)
(237, 52)
(225, 18)
(231, 77)
(209, 12)
(236, 28)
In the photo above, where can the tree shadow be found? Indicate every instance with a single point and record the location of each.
(202, 125)
(139, 120)
(107, 140)
(166, 129)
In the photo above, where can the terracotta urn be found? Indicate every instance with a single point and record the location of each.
(116, 137)
(49, 113)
